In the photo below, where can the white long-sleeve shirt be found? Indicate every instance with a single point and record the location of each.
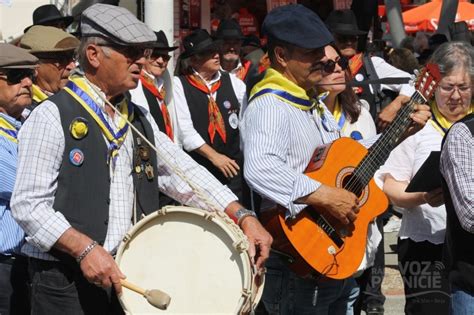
(423, 222)
(188, 136)
(41, 149)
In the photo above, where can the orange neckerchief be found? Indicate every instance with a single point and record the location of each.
(160, 95)
(264, 63)
(355, 64)
(216, 122)
(243, 70)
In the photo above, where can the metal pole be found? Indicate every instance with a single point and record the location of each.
(394, 16)
(447, 16)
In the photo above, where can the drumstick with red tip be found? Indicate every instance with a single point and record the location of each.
(157, 298)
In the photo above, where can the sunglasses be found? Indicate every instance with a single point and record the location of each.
(345, 38)
(15, 76)
(131, 52)
(330, 65)
(158, 54)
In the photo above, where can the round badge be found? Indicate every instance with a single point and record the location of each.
(359, 77)
(356, 135)
(227, 104)
(78, 128)
(234, 120)
(76, 157)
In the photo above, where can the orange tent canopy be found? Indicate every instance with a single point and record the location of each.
(426, 17)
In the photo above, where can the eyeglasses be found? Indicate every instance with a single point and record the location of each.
(60, 60)
(15, 76)
(449, 89)
(131, 52)
(330, 65)
(158, 54)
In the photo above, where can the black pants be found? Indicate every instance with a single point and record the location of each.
(424, 278)
(58, 288)
(370, 282)
(14, 298)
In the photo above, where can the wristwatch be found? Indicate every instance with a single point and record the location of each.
(242, 213)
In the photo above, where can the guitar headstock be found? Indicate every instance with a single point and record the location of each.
(428, 79)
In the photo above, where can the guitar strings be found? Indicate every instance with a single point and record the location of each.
(381, 149)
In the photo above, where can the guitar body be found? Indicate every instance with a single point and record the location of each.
(314, 243)
(328, 247)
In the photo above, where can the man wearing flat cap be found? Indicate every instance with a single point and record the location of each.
(343, 25)
(208, 103)
(81, 170)
(17, 69)
(281, 129)
(55, 50)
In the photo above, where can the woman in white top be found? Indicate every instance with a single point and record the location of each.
(423, 225)
(355, 121)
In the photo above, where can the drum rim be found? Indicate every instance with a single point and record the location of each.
(248, 281)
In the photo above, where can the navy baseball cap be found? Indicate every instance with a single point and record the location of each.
(297, 25)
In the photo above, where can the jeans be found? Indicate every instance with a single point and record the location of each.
(286, 293)
(58, 289)
(14, 286)
(370, 282)
(462, 302)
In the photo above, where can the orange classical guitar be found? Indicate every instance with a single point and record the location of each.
(314, 242)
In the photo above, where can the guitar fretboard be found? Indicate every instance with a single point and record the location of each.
(381, 149)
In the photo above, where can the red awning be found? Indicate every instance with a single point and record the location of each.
(426, 17)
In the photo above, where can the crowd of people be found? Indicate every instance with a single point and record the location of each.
(237, 123)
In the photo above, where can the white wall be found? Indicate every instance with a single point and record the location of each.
(15, 15)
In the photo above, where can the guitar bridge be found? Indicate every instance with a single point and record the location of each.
(327, 228)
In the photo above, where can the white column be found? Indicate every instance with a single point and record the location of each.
(159, 16)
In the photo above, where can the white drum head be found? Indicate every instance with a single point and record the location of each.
(189, 257)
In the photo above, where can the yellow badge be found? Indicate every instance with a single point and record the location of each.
(78, 128)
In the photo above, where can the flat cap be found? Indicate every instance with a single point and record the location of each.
(115, 24)
(12, 57)
(297, 25)
(45, 39)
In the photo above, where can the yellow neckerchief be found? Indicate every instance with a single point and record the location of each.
(439, 122)
(38, 94)
(7, 130)
(338, 112)
(115, 139)
(276, 81)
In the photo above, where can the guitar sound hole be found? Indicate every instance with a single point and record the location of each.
(353, 184)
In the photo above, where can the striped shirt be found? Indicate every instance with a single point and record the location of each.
(41, 152)
(457, 168)
(11, 235)
(278, 141)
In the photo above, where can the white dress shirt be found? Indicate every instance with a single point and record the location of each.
(188, 136)
(279, 141)
(138, 97)
(41, 149)
(386, 70)
(423, 222)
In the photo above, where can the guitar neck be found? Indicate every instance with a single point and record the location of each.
(381, 149)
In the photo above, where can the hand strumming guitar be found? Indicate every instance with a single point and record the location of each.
(339, 203)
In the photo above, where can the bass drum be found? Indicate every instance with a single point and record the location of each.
(197, 257)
